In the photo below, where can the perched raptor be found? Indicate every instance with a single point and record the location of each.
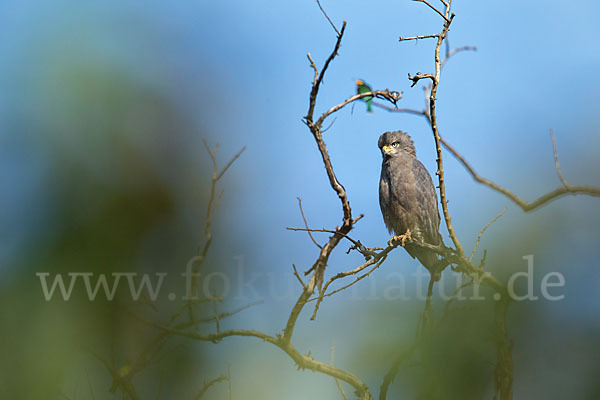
(408, 199)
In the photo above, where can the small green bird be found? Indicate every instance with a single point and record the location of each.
(362, 87)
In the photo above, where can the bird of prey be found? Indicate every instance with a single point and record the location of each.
(362, 87)
(408, 199)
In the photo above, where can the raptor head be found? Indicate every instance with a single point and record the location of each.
(396, 143)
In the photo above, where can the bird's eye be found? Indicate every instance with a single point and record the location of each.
(395, 144)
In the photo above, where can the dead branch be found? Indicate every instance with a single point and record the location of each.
(483, 231)
(302, 361)
(557, 165)
(450, 53)
(443, 15)
(525, 206)
(566, 189)
(386, 94)
(328, 19)
(208, 384)
(306, 224)
(402, 39)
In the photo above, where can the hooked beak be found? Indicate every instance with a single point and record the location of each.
(387, 149)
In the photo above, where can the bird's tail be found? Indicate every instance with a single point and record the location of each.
(370, 106)
(429, 259)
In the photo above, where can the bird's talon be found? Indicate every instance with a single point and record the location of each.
(402, 238)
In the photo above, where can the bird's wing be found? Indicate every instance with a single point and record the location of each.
(396, 195)
(427, 203)
(392, 203)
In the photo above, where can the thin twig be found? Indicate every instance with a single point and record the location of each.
(298, 277)
(455, 51)
(306, 224)
(354, 242)
(218, 325)
(302, 361)
(435, 9)
(525, 205)
(210, 209)
(355, 271)
(402, 39)
(483, 231)
(558, 171)
(238, 154)
(390, 96)
(328, 19)
(420, 76)
(208, 384)
(400, 110)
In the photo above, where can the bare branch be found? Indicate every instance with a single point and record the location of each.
(298, 277)
(391, 96)
(433, 121)
(302, 361)
(357, 244)
(208, 384)
(566, 189)
(455, 51)
(314, 67)
(328, 19)
(558, 171)
(306, 224)
(483, 231)
(355, 271)
(319, 76)
(420, 76)
(526, 206)
(216, 317)
(202, 251)
(401, 110)
(435, 9)
(239, 153)
(402, 39)
(315, 128)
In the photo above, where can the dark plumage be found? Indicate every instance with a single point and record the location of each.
(407, 197)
